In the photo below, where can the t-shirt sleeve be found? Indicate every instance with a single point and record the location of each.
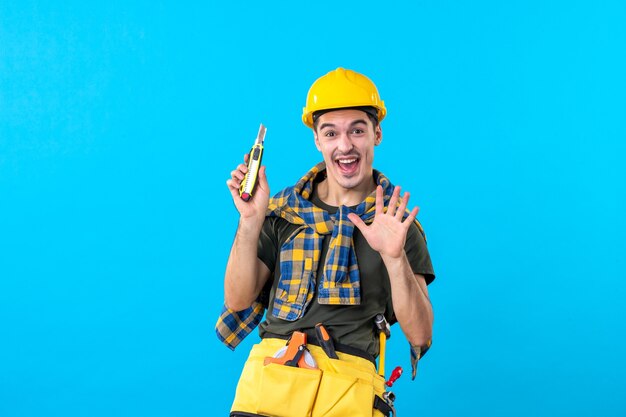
(267, 249)
(417, 254)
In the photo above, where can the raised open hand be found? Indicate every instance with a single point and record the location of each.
(387, 233)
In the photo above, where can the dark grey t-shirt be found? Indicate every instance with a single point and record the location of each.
(351, 325)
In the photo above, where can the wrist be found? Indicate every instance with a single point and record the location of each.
(250, 226)
(397, 266)
(391, 259)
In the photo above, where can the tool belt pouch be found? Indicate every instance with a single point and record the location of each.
(339, 388)
(346, 389)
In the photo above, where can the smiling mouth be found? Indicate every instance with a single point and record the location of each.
(347, 165)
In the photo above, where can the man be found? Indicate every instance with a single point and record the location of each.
(337, 248)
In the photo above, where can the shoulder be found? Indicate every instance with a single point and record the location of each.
(417, 252)
(285, 192)
(279, 202)
(416, 233)
(278, 228)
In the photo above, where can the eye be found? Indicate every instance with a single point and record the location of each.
(357, 131)
(329, 133)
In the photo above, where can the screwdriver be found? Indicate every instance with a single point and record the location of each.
(395, 374)
(325, 341)
(254, 164)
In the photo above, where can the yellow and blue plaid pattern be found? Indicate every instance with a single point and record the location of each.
(233, 326)
(300, 254)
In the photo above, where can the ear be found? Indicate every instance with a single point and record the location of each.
(317, 141)
(378, 132)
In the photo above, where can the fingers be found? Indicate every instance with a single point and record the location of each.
(411, 217)
(233, 187)
(398, 211)
(393, 201)
(263, 178)
(238, 174)
(402, 208)
(380, 204)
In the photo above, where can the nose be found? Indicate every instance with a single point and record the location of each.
(344, 144)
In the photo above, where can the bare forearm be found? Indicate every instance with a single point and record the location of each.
(245, 273)
(411, 304)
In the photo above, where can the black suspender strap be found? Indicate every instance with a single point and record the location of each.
(382, 406)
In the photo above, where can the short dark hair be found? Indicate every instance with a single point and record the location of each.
(372, 114)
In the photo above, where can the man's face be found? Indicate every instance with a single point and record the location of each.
(346, 139)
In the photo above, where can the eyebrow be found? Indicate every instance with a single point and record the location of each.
(356, 122)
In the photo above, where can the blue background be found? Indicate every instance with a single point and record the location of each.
(120, 123)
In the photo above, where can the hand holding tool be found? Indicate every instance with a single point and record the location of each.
(254, 164)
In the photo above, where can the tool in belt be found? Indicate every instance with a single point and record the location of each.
(295, 353)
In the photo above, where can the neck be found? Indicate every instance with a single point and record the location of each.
(335, 195)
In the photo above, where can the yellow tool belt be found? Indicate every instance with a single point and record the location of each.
(340, 387)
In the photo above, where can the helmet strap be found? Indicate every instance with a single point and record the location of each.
(372, 111)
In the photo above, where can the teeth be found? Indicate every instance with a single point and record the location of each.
(346, 161)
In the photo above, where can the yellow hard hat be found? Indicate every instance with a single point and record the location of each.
(342, 88)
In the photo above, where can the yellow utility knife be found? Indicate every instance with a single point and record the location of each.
(254, 164)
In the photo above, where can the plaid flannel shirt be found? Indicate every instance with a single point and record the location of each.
(300, 254)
